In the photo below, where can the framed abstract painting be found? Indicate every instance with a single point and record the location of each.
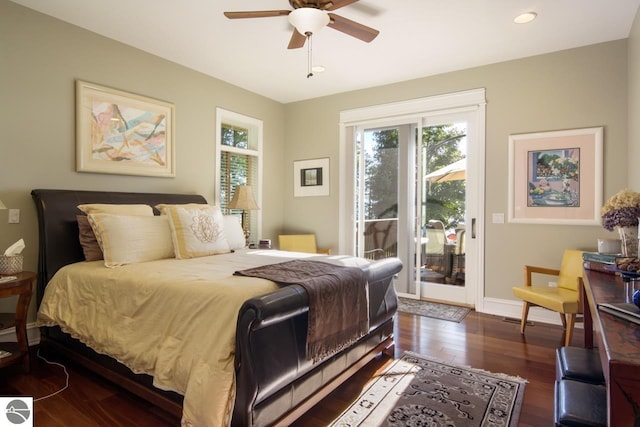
(556, 177)
(123, 133)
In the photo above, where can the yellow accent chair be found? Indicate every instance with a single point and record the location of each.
(565, 299)
(300, 243)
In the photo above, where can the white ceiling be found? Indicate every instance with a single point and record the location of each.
(417, 38)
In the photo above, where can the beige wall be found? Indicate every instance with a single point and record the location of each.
(40, 57)
(634, 105)
(576, 88)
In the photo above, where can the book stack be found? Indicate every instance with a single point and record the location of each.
(599, 262)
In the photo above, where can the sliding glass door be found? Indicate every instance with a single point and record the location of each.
(442, 175)
(412, 188)
(384, 195)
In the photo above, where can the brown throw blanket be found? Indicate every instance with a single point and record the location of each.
(338, 309)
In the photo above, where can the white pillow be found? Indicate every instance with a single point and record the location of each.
(233, 232)
(197, 230)
(128, 239)
(145, 210)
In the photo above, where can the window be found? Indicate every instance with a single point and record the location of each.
(239, 154)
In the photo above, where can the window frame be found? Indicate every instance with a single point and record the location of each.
(255, 140)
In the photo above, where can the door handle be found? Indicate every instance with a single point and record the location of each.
(473, 228)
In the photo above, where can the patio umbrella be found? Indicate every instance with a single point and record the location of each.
(453, 172)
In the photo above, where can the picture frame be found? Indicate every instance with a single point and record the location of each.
(555, 177)
(311, 177)
(122, 133)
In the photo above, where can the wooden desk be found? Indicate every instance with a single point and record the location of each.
(618, 342)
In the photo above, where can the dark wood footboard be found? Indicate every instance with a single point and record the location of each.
(271, 365)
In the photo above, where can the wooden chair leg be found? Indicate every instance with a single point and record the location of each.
(564, 320)
(525, 314)
(569, 332)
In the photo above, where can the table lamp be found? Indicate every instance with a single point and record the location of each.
(243, 199)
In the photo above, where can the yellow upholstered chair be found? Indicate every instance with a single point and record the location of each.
(566, 298)
(300, 243)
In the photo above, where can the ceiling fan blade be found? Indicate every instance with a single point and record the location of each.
(297, 40)
(353, 28)
(337, 4)
(256, 14)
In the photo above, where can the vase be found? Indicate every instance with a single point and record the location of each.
(629, 240)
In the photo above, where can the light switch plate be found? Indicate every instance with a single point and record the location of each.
(498, 218)
(14, 216)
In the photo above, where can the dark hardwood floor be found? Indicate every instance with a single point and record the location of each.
(482, 341)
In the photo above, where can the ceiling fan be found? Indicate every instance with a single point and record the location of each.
(309, 16)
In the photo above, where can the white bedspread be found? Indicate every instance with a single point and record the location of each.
(172, 319)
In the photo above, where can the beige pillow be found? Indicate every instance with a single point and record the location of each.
(163, 207)
(88, 241)
(128, 239)
(196, 229)
(144, 210)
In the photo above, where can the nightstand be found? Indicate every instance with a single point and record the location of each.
(22, 286)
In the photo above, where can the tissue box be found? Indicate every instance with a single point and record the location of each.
(10, 264)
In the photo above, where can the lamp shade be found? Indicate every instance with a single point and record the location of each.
(2, 206)
(308, 20)
(243, 199)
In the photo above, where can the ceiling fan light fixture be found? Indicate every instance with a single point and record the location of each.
(525, 18)
(308, 20)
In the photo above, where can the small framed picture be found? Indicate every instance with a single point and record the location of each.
(311, 177)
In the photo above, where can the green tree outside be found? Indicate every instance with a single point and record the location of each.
(444, 201)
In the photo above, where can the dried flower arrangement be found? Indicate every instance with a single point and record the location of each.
(621, 210)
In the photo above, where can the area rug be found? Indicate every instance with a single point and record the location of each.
(436, 310)
(419, 391)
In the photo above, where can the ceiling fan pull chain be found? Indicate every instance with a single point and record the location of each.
(309, 52)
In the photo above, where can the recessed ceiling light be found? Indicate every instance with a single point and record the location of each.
(318, 69)
(524, 18)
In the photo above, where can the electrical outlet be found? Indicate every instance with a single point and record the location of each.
(14, 216)
(553, 284)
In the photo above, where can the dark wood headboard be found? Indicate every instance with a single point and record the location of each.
(58, 226)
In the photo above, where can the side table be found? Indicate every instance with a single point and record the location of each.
(22, 286)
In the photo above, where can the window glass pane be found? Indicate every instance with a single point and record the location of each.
(234, 136)
(238, 169)
(235, 169)
(380, 192)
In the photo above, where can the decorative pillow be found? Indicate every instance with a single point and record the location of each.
(144, 210)
(88, 241)
(128, 239)
(163, 207)
(233, 232)
(197, 230)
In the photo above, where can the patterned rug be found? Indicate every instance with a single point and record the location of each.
(433, 309)
(418, 391)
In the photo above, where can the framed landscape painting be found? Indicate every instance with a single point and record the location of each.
(556, 177)
(123, 133)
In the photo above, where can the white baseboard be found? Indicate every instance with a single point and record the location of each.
(513, 309)
(33, 334)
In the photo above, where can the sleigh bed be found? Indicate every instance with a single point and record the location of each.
(268, 378)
